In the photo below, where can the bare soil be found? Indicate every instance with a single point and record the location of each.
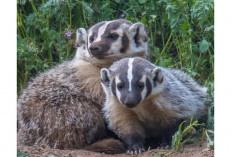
(190, 150)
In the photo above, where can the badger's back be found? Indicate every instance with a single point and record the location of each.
(183, 95)
(61, 108)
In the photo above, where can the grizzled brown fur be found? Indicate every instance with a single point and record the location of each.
(61, 108)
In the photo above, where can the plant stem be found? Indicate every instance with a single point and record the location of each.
(197, 62)
(70, 15)
(163, 50)
(83, 11)
(33, 6)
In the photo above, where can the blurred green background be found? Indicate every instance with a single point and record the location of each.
(181, 34)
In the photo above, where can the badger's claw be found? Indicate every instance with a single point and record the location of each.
(164, 146)
(135, 150)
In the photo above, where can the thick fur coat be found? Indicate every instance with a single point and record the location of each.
(146, 101)
(61, 108)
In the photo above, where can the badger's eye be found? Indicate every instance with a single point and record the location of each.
(91, 39)
(120, 86)
(140, 85)
(113, 36)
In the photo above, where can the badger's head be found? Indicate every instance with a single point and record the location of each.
(113, 40)
(132, 80)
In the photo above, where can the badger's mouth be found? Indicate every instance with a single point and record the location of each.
(100, 55)
(130, 105)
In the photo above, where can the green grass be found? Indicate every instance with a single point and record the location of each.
(189, 134)
(181, 34)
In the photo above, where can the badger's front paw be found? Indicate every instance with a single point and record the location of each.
(164, 145)
(136, 149)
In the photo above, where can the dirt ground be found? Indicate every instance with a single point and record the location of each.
(190, 150)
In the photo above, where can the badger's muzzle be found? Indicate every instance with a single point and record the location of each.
(95, 49)
(130, 101)
(99, 50)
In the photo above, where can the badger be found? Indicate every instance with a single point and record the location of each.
(146, 101)
(61, 108)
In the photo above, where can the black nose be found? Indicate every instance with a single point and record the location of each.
(95, 49)
(130, 104)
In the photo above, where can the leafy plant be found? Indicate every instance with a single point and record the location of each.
(184, 135)
(209, 134)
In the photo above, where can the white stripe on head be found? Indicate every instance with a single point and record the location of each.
(144, 91)
(129, 73)
(117, 92)
(90, 33)
(101, 31)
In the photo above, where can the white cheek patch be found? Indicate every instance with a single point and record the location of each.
(90, 33)
(158, 88)
(129, 72)
(101, 31)
(144, 91)
(116, 45)
(117, 92)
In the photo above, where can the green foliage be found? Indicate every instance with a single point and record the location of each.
(184, 135)
(210, 138)
(21, 154)
(181, 33)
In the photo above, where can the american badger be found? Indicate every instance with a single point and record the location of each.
(61, 108)
(146, 101)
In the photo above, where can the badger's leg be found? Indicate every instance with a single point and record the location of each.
(135, 143)
(167, 134)
(128, 128)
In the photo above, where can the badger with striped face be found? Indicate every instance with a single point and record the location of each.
(146, 101)
(132, 84)
(109, 41)
(61, 108)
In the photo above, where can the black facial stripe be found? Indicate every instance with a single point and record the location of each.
(134, 84)
(115, 25)
(136, 38)
(113, 87)
(149, 87)
(110, 27)
(154, 81)
(125, 43)
(105, 43)
(87, 43)
(95, 29)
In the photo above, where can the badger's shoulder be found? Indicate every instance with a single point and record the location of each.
(187, 80)
(181, 95)
(71, 78)
(181, 83)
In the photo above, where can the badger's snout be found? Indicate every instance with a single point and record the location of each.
(130, 104)
(99, 50)
(95, 49)
(129, 101)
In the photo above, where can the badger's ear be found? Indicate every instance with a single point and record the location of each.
(105, 76)
(138, 33)
(81, 37)
(157, 75)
